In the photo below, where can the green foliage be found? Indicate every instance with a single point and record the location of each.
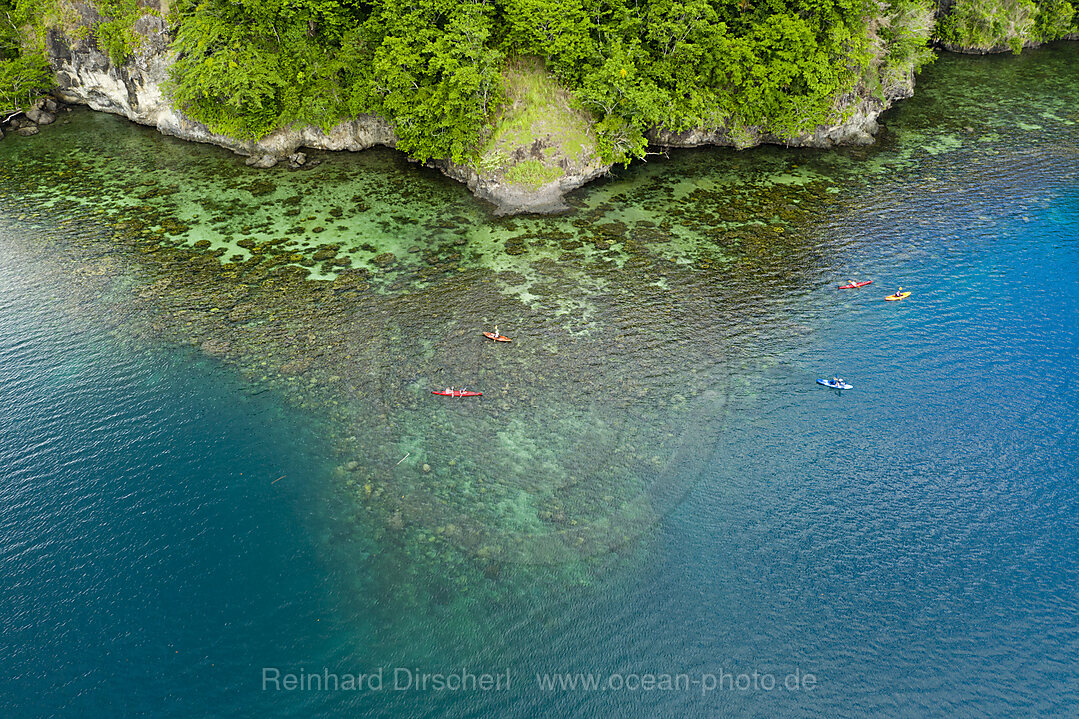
(434, 73)
(903, 31)
(996, 24)
(428, 66)
(22, 80)
(11, 20)
(433, 67)
(778, 67)
(989, 24)
(247, 69)
(115, 33)
(34, 17)
(24, 74)
(1055, 19)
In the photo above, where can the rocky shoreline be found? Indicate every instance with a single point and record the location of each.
(134, 89)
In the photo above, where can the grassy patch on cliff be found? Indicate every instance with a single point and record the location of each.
(539, 133)
(532, 174)
(537, 108)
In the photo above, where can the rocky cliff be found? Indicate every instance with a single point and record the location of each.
(85, 75)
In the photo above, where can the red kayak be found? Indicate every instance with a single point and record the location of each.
(496, 338)
(456, 393)
(855, 285)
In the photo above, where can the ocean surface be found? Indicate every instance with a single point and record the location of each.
(654, 510)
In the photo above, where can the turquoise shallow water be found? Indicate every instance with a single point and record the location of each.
(172, 523)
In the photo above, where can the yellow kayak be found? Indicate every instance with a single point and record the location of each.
(897, 296)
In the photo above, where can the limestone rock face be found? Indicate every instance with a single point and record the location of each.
(134, 89)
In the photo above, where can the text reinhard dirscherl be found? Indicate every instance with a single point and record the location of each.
(403, 679)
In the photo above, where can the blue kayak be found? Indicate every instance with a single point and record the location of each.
(840, 384)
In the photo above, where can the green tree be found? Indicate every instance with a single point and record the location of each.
(433, 74)
(1055, 18)
(24, 75)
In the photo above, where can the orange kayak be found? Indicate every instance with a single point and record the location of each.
(496, 338)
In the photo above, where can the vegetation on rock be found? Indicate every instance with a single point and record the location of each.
(115, 33)
(993, 25)
(457, 78)
(434, 68)
(24, 73)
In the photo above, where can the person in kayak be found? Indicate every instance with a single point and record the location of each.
(899, 292)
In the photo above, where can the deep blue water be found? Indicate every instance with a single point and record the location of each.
(141, 531)
(913, 543)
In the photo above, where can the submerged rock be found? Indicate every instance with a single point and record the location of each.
(300, 161)
(262, 162)
(27, 130)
